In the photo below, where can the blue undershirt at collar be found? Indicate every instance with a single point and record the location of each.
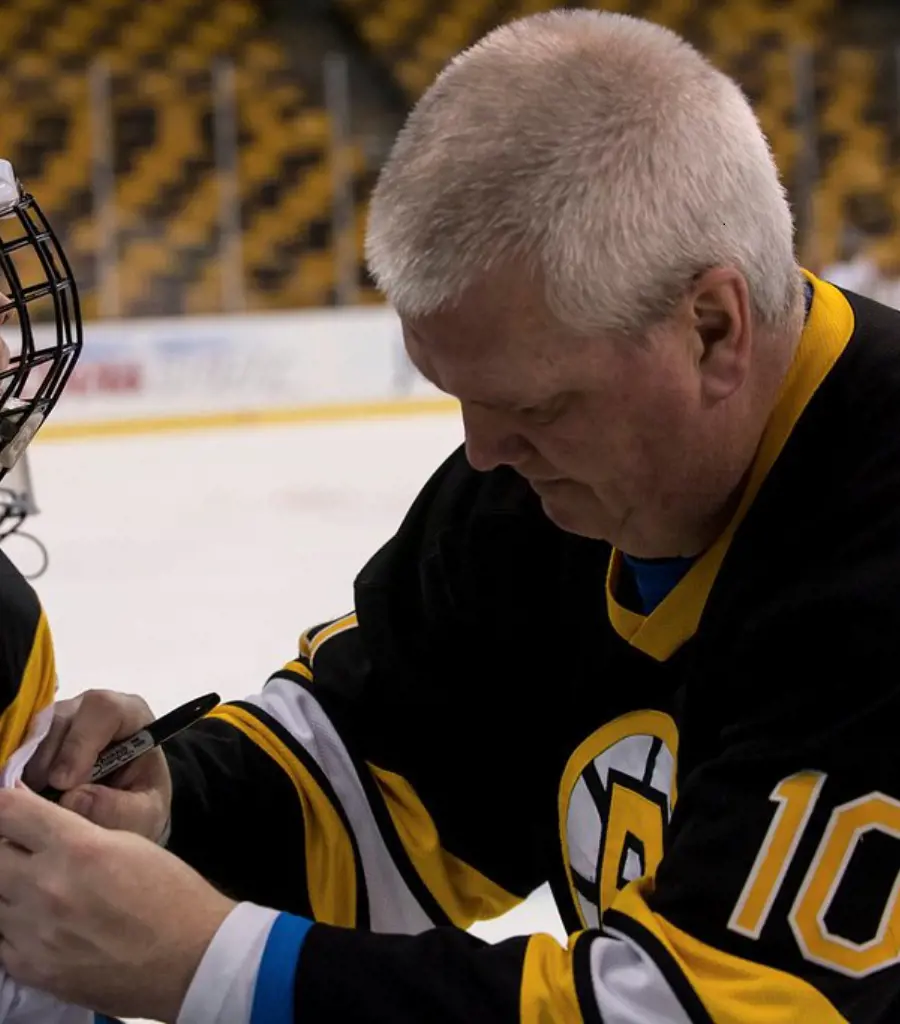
(654, 578)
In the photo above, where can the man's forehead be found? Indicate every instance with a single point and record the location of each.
(486, 327)
(501, 304)
(485, 363)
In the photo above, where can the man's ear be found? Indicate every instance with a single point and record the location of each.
(720, 311)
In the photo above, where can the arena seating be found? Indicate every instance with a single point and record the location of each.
(160, 56)
(761, 42)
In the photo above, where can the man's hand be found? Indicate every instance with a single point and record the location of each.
(100, 918)
(138, 798)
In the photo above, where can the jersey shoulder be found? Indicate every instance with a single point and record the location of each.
(802, 617)
(20, 608)
(864, 385)
(466, 523)
(475, 568)
(22, 624)
(827, 517)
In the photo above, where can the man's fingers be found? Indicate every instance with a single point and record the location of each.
(37, 771)
(136, 798)
(101, 719)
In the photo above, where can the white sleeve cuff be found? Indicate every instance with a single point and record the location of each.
(223, 986)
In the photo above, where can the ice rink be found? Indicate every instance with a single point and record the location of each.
(182, 563)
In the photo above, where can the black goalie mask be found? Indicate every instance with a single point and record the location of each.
(40, 315)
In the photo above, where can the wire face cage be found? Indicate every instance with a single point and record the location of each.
(40, 317)
(17, 503)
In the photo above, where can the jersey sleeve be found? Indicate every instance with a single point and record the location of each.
(384, 777)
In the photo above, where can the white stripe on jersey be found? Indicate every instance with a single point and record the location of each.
(392, 906)
(628, 985)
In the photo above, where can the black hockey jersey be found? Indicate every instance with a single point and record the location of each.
(27, 663)
(713, 790)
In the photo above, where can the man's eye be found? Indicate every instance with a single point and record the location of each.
(539, 413)
(544, 413)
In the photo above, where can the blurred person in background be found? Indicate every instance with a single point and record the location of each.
(637, 638)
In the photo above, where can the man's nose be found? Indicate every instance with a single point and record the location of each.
(491, 440)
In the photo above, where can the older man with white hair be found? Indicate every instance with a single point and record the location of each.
(639, 639)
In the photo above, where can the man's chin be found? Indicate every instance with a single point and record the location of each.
(567, 515)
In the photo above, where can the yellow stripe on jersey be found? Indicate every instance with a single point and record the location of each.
(548, 983)
(304, 645)
(300, 668)
(330, 865)
(675, 620)
(36, 690)
(338, 626)
(463, 893)
(728, 985)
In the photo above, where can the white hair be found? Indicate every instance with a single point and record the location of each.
(601, 154)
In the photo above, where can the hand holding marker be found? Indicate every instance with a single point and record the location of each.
(150, 737)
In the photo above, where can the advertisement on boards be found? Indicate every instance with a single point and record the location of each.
(196, 366)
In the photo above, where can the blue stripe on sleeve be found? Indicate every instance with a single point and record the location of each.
(273, 996)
